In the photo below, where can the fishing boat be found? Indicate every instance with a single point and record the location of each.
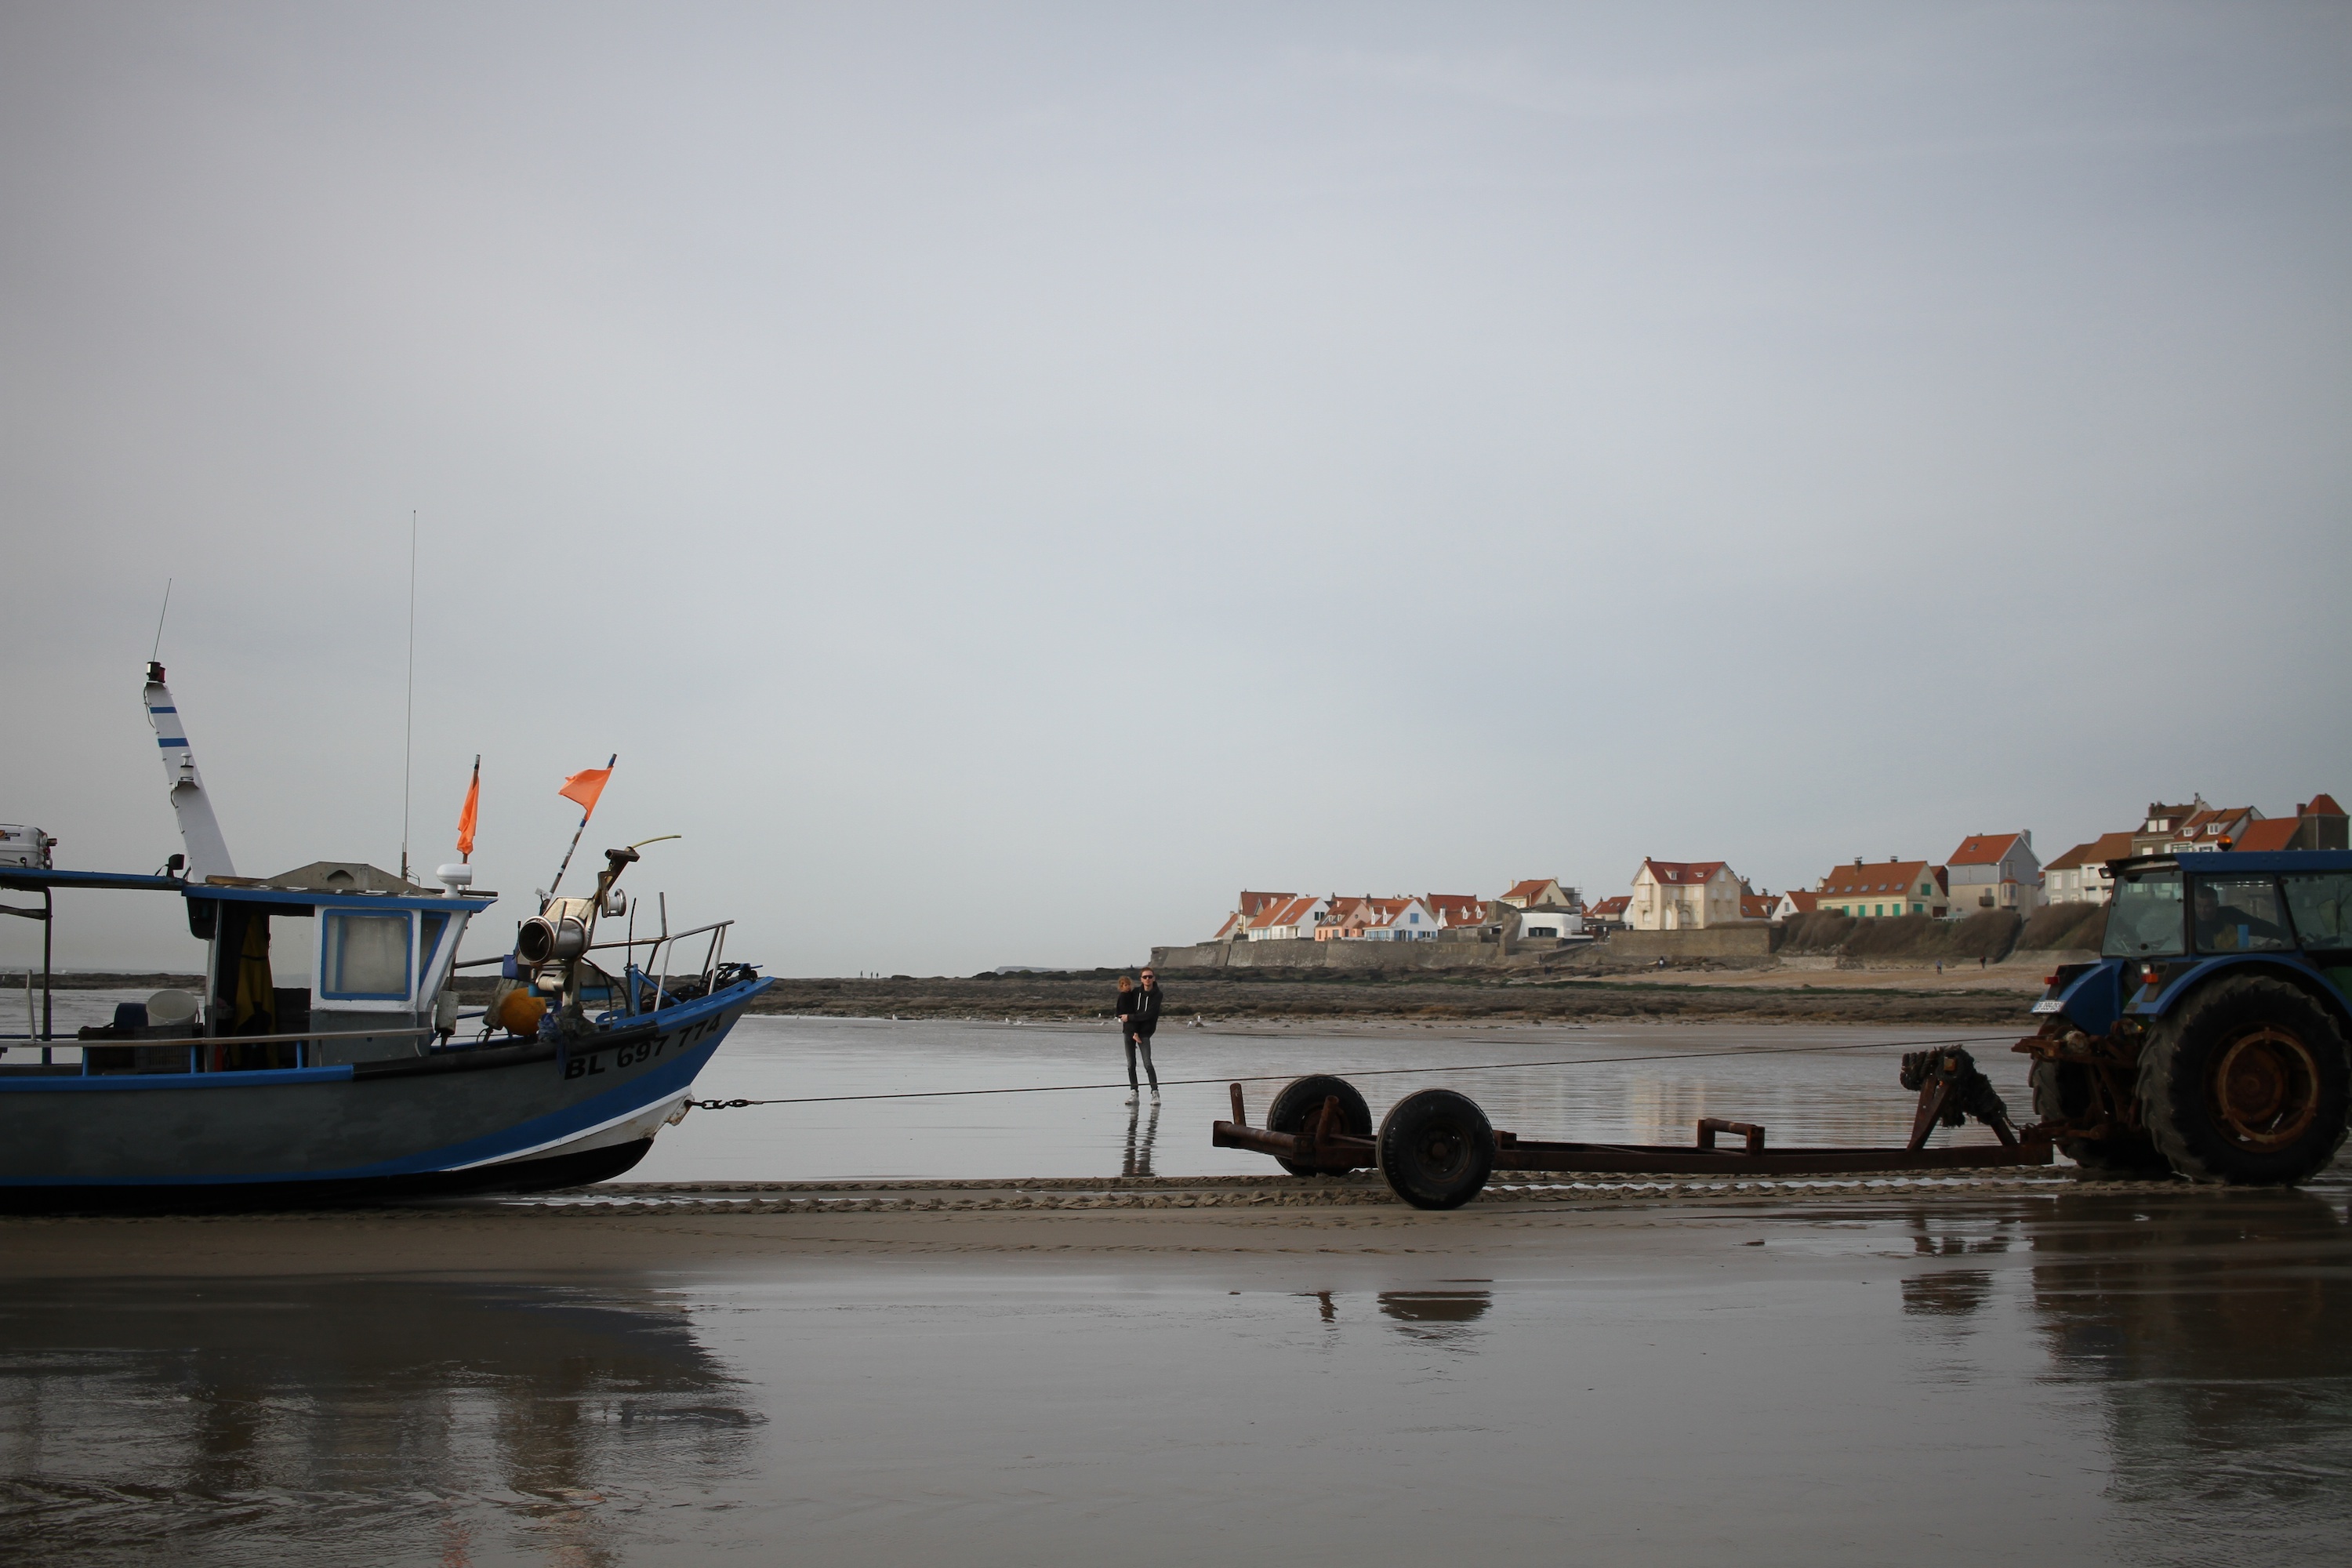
(371, 1083)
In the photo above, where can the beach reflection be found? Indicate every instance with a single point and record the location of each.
(1442, 1316)
(2214, 1326)
(447, 1422)
(1142, 1133)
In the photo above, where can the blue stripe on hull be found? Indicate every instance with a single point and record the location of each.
(118, 1083)
(641, 1093)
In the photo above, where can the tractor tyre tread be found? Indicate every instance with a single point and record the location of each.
(2172, 1093)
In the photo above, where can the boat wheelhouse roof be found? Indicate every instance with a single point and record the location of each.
(34, 879)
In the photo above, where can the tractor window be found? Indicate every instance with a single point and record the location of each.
(2238, 914)
(2145, 920)
(2321, 902)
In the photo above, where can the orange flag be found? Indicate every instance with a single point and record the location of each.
(470, 815)
(585, 786)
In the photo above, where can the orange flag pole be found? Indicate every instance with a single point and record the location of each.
(587, 787)
(471, 813)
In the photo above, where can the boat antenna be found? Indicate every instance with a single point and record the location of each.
(408, 740)
(166, 610)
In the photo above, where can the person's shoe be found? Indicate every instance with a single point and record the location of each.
(1130, 1097)
(1155, 1096)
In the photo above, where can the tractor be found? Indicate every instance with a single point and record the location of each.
(2209, 1039)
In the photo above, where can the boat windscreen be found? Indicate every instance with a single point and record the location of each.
(428, 942)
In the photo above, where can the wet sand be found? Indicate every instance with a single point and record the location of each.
(703, 1227)
(1927, 1374)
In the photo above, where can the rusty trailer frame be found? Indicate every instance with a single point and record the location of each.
(1951, 1091)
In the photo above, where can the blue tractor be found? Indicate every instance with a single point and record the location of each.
(2209, 1039)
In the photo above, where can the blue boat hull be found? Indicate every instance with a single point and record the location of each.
(516, 1118)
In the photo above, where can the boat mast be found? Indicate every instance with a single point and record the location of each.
(199, 830)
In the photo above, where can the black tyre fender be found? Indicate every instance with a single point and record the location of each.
(2061, 1091)
(2248, 1082)
(1437, 1148)
(1300, 1101)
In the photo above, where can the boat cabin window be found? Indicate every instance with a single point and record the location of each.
(2145, 920)
(364, 957)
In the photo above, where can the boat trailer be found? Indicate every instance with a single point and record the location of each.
(1436, 1148)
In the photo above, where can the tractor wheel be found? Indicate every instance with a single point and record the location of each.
(2062, 1091)
(1301, 1101)
(1437, 1148)
(2248, 1083)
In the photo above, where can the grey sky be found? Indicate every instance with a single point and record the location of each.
(1003, 479)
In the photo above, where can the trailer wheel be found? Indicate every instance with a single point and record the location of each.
(2248, 1083)
(1437, 1148)
(2062, 1091)
(1295, 1108)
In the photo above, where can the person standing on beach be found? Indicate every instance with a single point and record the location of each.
(1138, 1016)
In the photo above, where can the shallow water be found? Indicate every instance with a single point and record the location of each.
(2144, 1378)
(1806, 1085)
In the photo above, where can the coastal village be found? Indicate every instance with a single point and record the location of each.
(1985, 873)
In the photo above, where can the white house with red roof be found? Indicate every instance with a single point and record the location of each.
(1400, 918)
(2161, 823)
(2205, 832)
(1456, 911)
(2079, 876)
(1609, 914)
(1793, 903)
(1246, 909)
(1995, 871)
(1883, 890)
(1292, 919)
(1538, 893)
(1684, 895)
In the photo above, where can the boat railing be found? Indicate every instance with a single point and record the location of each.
(650, 985)
(664, 946)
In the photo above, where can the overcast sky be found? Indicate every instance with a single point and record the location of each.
(1005, 478)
